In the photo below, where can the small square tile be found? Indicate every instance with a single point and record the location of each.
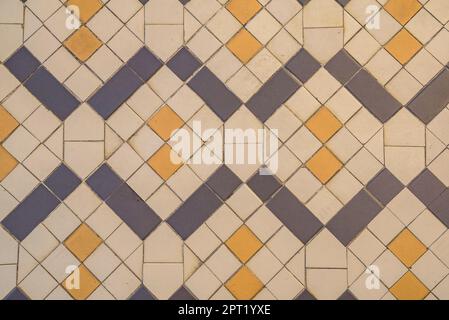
(324, 165)
(403, 46)
(323, 124)
(243, 10)
(407, 247)
(244, 284)
(409, 287)
(88, 283)
(165, 122)
(83, 43)
(82, 242)
(244, 244)
(244, 45)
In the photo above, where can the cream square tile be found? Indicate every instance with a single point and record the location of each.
(405, 162)
(144, 181)
(122, 10)
(285, 122)
(243, 202)
(58, 261)
(303, 184)
(264, 265)
(204, 44)
(263, 26)
(324, 205)
(423, 26)
(61, 222)
(122, 283)
(125, 44)
(104, 24)
(144, 102)
(83, 82)
(164, 12)
(10, 248)
(427, 228)
(406, 206)
(303, 144)
(223, 25)
(289, 161)
(83, 157)
(38, 284)
(263, 223)
(389, 27)
(284, 245)
(366, 247)
(40, 243)
(164, 40)
(83, 201)
(103, 221)
(20, 143)
(438, 126)
(430, 270)
(440, 248)
(423, 66)
(20, 182)
(104, 63)
(164, 201)
(56, 24)
(284, 285)
(357, 8)
(383, 66)
(363, 125)
(322, 85)
(185, 103)
(203, 242)
(12, 35)
(41, 162)
(165, 83)
(42, 123)
(224, 222)
(362, 47)
(21, 103)
(9, 82)
(403, 86)
(283, 10)
(203, 283)
(43, 8)
(303, 104)
(344, 145)
(42, 44)
(184, 182)
(12, 12)
(61, 64)
(391, 269)
(440, 167)
(385, 226)
(123, 241)
(283, 46)
(224, 64)
(244, 84)
(145, 142)
(209, 121)
(263, 65)
(438, 46)
(439, 8)
(203, 10)
(223, 263)
(7, 203)
(125, 161)
(125, 122)
(102, 262)
(344, 186)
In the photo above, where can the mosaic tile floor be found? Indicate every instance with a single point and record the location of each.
(358, 208)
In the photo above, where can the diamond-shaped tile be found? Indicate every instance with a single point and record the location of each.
(403, 46)
(244, 285)
(7, 163)
(409, 287)
(243, 243)
(407, 248)
(244, 45)
(82, 242)
(162, 163)
(402, 10)
(87, 8)
(9, 123)
(83, 43)
(324, 165)
(87, 284)
(323, 124)
(243, 10)
(165, 122)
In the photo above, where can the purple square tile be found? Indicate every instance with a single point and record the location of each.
(145, 64)
(104, 181)
(22, 64)
(224, 182)
(184, 64)
(62, 182)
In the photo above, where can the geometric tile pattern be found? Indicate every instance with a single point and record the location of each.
(87, 107)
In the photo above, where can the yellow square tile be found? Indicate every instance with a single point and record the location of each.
(244, 45)
(323, 124)
(165, 162)
(165, 122)
(82, 242)
(7, 163)
(83, 43)
(403, 46)
(7, 124)
(244, 285)
(87, 8)
(87, 284)
(243, 10)
(243, 243)
(402, 10)
(409, 288)
(407, 248)
(324, 165)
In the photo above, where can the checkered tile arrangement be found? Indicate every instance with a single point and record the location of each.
(86, 178)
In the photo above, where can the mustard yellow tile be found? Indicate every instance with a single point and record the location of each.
(162, 162)
(82, 242)
(87, 8)
(87, 284)
(324, 165)
(243, 243)
(403, 46)
(243, 10)
(244, 285)
(323, 124)
(164, 122)
(244, 45)
(83, 43)
(402, 10)
(7, 163)
(7, 124)
(407, 248)
(409, 287)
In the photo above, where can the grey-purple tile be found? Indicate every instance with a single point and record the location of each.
(62, 182)
(347, 295)
(224, 182)
(143, 1)
(385, 186)
(342, 66)
(354, 217)
(272, 95)
(303, 2)
(16, 295)
(30, 212)
(215, 94)
(22, 64)
(432, 99)
(133, 211)
(182, 294)
(303, 65)
(343, 2)
(305, 296)
(294, 215)
(145, 64)
(440, 208)
(373, 96)
(115, 92)
(426, 187)
(194, 211)
(104, 181)
(264, 186)
(51, 93)
(184, 64)
(142, 293)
